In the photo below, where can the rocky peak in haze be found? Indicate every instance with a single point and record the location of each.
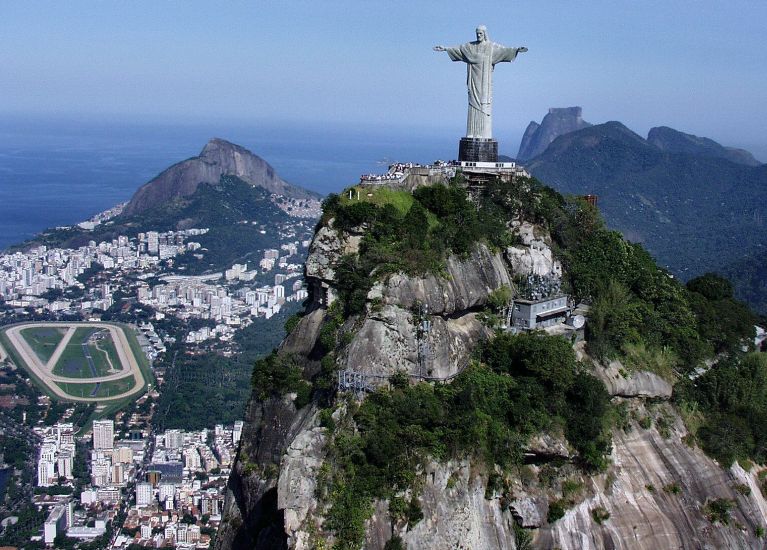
(218, 158)
(557, 122)
(674, 141)
(665, 200)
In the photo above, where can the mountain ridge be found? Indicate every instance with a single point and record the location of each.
(674, 141)
(694, 213)
(218, 158)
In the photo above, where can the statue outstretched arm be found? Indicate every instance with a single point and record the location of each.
(455, 52)
(503, 53)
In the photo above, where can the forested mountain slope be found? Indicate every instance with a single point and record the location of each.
(463, 434)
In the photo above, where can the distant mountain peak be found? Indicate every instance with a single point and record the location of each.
(217, 146)
(558, 121)
(693, 210)
(218, 157)
(673, 141)
(600, 135)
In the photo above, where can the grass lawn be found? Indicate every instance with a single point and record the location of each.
(17, 360)
(74, 362)
(43, 340)
(102, 389)
(138, 353)
(401, 200)
(106, 348)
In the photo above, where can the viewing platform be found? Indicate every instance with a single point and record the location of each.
(399, 173)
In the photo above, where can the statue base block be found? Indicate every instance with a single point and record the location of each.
(477, 150)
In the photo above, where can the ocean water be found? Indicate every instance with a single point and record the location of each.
(60, 172)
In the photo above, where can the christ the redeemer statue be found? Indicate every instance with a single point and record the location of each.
(480, 58)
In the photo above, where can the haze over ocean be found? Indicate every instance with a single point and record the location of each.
(696, 68)
(58, 172)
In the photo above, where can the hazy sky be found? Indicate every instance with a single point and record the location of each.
(698, 66)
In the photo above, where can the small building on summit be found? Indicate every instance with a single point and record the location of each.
(542, 313)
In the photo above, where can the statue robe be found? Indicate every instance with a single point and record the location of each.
(480, 59)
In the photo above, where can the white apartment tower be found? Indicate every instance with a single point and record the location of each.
(174, 439)
(143, 493)
(237, 432)
(65, 464)
(192, 459)
(166, 491)
(45, 473)
(103, 434)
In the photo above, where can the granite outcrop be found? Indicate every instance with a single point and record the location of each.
(654, 494)
(557, 122)
(218, 158)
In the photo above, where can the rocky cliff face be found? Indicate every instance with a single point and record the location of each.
(217, 158)
(557, 122)
(656, 493)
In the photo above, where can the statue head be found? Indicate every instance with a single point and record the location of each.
(481, 33)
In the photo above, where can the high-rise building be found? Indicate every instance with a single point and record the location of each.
(101, 472)
(174, 439)
(181, 533)
(144, 494)
(237, 431)
(55, 524)
(192, 459)
(46, 464)
(45, 475)
(123, 454)
(64, 464)
(103, 434)
(153, 242)
(118, 473)
(166, 490)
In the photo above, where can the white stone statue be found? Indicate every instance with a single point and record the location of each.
(480, 58)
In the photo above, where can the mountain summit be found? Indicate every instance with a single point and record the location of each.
(401, 412)
(218, 158)
(558, 121)
(694, 212)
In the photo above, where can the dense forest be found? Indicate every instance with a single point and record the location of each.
(209, 388)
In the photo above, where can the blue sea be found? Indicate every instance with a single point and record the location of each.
(59, 172)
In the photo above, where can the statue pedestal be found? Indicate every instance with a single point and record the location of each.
(477, 150)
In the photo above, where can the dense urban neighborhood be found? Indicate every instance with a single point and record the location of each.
(96, 471)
